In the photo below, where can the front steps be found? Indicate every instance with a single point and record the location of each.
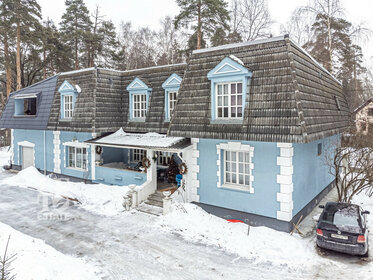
(153, 205)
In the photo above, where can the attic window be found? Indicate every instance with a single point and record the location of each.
(25, 105)
(337, 103)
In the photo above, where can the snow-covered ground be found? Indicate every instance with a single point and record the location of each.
(133, 245)
(36, 260)
(99, 198)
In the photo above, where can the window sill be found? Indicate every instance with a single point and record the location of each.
(226, 121)
(137, 120)
(77, 169)
(66, 119)
(24, 116)
(246, 189)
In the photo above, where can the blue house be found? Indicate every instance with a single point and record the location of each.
(249, 121)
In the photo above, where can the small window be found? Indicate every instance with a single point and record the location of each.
(229, 100)
(337, 103)
(139, 106)
(237, 168)
(319, 149)
(25, 106)
(171, 102)
(370, 112)
(138, 155)
(77, 157)
(68, 106)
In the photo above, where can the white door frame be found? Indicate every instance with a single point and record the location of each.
(26, 144)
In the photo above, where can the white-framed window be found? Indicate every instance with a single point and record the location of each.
(164, 158)
(68, 106)
(237, 168)
(229, 100)
(138, 155)
(139, 106)
(77, 157)
(172, 95)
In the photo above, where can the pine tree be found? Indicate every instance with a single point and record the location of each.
(75, 28)
(204, 15)
(25, 15)
(5, 33)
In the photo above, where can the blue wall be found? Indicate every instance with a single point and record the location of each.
(36, 137)
(119, 177)
(310, 174)
(264, 199)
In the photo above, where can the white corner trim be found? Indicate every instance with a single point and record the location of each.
(194, 184)
(239, 147)
(56, 152)
(12, 146)
(26, 144)
(285, 180)
(234, 69)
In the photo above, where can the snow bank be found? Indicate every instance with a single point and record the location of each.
(36, 260)
(261, 245)
(99, 198)
(4, 156)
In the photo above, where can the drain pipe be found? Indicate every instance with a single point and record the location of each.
(45, 158)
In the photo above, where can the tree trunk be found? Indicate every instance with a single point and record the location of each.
(18, 56)
(330, 66)
(44, 64)
(8, 69)
(199, 33)
(76, 55)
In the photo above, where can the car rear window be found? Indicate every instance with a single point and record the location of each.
(346, 217)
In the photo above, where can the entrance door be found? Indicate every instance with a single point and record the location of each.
(27, 157)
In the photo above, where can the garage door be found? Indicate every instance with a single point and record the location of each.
(27, 157)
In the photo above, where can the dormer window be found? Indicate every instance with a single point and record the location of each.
(229, 80)
(139, 94)
(171, 87)
(26, 104)
(69, 94)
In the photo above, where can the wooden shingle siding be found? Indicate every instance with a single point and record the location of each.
(103, 104)
(288, 100)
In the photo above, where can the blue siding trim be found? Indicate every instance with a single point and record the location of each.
(228, 71)
(264, 199)
(310, 173)
(66, 89)
(119, 177)
(137, 87)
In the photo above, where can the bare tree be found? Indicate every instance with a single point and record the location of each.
(300, 26)
(352, 167)
(251, 19)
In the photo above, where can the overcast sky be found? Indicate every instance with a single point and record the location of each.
(148, 12)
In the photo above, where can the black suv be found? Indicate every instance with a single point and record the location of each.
(342, 227)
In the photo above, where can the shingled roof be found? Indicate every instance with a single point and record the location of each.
(103, 104)
(291, 97)
(45, 91)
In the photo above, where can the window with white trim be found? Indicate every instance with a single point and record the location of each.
(77, 157)
(237, 168)
(139, 106)
(171, 102)
(138, 155)
(164, 158)
(229, 100)
(68, 106)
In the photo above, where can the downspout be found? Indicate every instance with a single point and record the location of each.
(45, 157)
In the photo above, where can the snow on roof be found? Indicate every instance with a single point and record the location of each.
(243, 44)
(140, 140)
(235, 58)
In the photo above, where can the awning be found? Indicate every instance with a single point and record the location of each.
(26, 95)
(152, 140)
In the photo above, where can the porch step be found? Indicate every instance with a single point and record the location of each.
(149, 209)
(154, 203)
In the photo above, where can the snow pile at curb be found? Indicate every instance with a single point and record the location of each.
(98, 198)
(36, 260)
(261, 245)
